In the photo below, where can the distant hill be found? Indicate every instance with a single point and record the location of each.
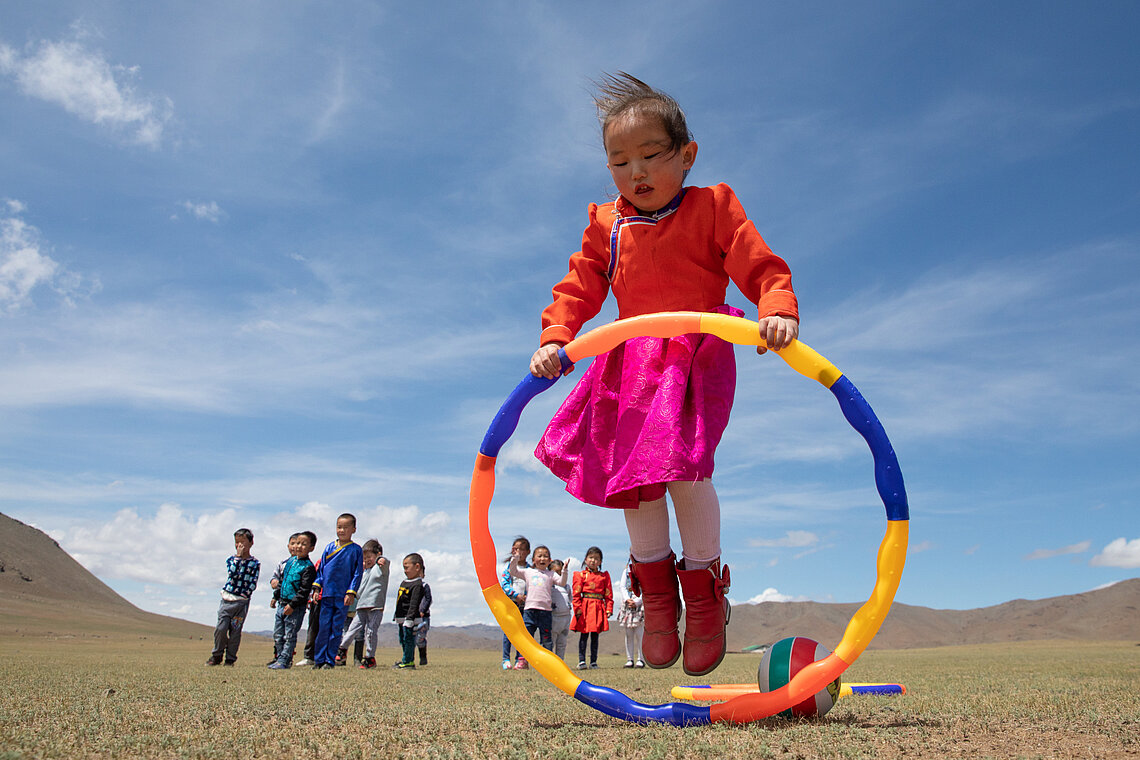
(44, 591)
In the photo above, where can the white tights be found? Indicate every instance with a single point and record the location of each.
(697, 510)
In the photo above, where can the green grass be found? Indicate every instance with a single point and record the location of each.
(121, 697)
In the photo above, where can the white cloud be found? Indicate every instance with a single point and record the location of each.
(922, 546)
(1119, 553)
(206, 211)
(24, 266)
(793, 538)
(772, 595)
(1078, 548)
(86, 85)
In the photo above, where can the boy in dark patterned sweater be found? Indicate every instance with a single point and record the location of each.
(242, 572)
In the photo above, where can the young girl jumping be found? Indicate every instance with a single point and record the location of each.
(646, 417)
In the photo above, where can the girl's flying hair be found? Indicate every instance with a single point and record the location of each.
(622, 94)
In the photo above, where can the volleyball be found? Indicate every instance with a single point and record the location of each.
(780, 664)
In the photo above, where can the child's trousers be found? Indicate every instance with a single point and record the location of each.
(633, 638)
(541, 620)
(593, 638)
(227, 633)
(285, 629)
(560, 632)
(367, 623)
(331, 626)
(408, 644)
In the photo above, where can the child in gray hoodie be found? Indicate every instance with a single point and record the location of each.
(369, 602)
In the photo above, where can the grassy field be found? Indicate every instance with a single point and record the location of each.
(123, 697)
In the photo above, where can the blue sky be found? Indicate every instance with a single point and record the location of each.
(263, 263)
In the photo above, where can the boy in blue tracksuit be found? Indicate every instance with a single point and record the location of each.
(338, 577)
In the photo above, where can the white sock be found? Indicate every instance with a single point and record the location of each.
(697, 509)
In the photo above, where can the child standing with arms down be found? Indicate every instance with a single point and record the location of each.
(341, 565)
(593, 604)
(540, 581)
(631, 619)
(369, 602)
(408, 599)
(242, 571)
(646, 417)
(296, 583)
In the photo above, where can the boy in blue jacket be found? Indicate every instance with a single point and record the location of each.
(338, 577)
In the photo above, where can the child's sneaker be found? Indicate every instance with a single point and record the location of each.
(628, 664)
(521, 664)
(506, 664)
(639, 664)
(582, 665)
(367, 663)
(305, 663)
(214, 661)
(275, 665)
(593, 666)
(405, 666)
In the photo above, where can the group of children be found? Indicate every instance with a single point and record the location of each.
(344, 592)
(551, 607)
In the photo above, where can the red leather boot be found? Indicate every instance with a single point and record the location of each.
(706, 616)
(657, 584)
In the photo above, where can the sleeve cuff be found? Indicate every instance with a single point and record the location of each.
(555, 334)
(779, 303)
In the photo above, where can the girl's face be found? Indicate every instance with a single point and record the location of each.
(593, 562)
(646, 172)
(542, 558)
(520, 551)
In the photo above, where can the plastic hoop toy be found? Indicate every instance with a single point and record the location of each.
(744, 707)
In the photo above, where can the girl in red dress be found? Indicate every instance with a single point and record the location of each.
(593, 605)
